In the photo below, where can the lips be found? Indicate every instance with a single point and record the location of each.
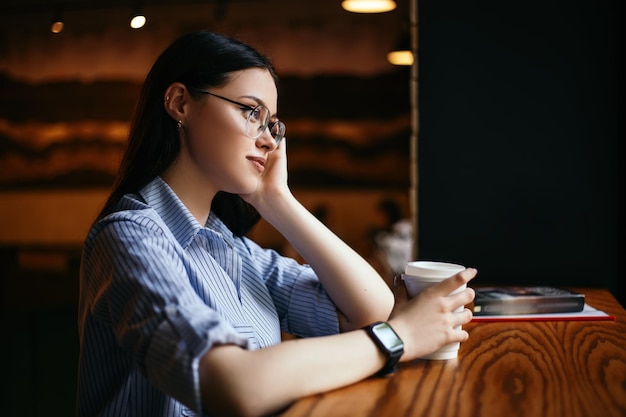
(258, 162)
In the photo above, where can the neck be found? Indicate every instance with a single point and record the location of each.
(192, 189)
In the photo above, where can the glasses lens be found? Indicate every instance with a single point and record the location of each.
(277, 130)
(258, 119)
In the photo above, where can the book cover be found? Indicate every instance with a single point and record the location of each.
(526, 300)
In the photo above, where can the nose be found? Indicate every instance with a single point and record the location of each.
(266, 140)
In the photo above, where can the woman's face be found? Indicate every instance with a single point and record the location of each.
(215, 132)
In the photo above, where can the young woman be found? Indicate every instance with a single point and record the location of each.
(180, 314)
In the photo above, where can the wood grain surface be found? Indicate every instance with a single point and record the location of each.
(548, 369)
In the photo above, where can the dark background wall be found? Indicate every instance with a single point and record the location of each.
(521, 140)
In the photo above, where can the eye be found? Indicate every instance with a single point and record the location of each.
(254, 113)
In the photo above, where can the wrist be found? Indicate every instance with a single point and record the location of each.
(276, 207)
(388, 343)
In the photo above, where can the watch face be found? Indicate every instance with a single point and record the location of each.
(388, 337)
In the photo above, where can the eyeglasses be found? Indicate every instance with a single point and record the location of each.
(258, 119)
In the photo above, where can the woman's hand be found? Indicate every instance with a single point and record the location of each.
(428, 321)
(273, 181)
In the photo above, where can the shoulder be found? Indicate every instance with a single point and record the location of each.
(129, 218)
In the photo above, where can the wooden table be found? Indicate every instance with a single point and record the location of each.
(530, 369)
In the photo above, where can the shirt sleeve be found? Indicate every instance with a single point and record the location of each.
(302, 303)
(137, 286)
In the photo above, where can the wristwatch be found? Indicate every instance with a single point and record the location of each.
(389, 343)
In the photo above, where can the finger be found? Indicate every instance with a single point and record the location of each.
(463, 317)
(462, 298)
(279, 151)
(282, 146)
(460, 335)
(462, 278)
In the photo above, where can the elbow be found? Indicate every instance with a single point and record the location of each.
(378, 305)
(377, 310)
(381, 310)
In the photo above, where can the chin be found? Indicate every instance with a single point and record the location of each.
(245, 188)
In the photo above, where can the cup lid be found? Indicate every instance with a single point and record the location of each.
(432, 269)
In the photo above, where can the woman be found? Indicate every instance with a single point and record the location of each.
(179, 313)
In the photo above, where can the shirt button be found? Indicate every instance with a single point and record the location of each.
(171, 311)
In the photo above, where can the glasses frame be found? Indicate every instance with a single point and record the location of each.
(268, 123)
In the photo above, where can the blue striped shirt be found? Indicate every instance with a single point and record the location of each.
(157, 290)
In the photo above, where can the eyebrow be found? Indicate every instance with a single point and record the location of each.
(259, 101)
(255, 98)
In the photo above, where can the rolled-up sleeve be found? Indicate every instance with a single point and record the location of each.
(139, 290)
(311, 312)
(178, 343)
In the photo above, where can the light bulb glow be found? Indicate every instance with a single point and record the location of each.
(400, 57)
(138, 21)
(57, 26)
(368, 6)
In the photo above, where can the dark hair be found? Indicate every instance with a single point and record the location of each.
(198, 60)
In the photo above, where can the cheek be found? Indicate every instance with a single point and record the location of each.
(207, 147)
(219, 153)
(218, 147)
(211, 131)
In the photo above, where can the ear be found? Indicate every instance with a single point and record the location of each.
(174, 100)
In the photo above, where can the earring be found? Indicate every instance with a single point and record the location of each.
(167, 98)
(179, 124)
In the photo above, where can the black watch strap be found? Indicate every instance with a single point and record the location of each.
(388, 342)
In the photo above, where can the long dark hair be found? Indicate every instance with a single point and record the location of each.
(198, 60)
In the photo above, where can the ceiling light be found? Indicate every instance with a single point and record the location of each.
(57, 23)
(368, 6)
(400, 57)
(138, 19)
(402, 53)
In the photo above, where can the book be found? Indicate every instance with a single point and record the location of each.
(588, 313)
(526, 300)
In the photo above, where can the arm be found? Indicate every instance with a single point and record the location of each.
(250, 383)
(359, 292)
(237, 382)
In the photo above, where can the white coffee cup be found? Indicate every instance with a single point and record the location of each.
(420, 275)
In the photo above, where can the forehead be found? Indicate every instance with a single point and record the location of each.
(253, 82)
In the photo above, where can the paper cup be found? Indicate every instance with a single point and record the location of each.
(420, 275)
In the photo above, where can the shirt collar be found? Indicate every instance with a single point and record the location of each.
(216, 225)
(177, 217)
